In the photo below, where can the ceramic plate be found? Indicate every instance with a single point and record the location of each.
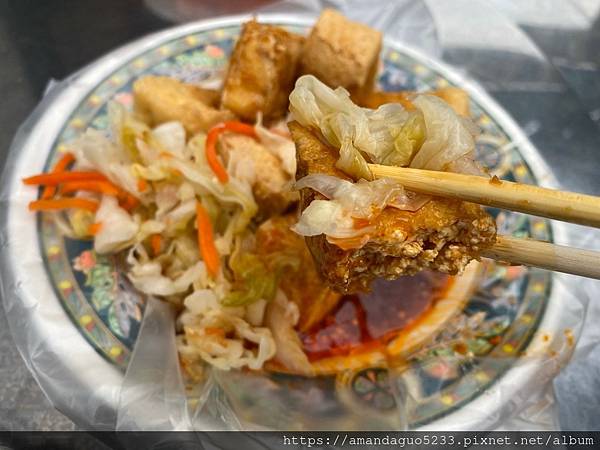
(480, 345)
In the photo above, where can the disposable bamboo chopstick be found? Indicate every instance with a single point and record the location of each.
(566, 206)
(529, 252)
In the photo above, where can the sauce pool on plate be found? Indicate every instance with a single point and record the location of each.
(365, 322)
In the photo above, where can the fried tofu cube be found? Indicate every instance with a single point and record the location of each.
(164, 99)
(443, 235)
(263, 170)
(340, 52)
(261, 72)
(303, 286)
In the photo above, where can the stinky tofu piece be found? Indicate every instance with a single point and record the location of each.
(271, 184)
(343, 53)
(261, 72)
(164, 99)
(443, 235)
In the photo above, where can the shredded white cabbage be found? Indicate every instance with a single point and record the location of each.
(170, 175)
(447, 137)
(362, 199)
(281, 316)
(380, 136)
(147, 278)
(225, 350)
(94, 151)
(117, 228)
(329, 218)
(170, 137)
(348, 201)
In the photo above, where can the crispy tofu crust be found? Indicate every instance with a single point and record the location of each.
(304, 286)
(457, 98)
(271, 188)
(261, 72)
(443, 235)
(163, 99)
(342, 53)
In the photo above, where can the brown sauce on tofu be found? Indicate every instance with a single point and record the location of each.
(367, 322)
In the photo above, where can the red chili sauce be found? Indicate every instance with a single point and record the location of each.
(365, 322)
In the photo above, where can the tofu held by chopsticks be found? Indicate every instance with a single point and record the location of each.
(443, 235)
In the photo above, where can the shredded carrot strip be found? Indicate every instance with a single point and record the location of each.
(63, 203)
(142, 185)
(206, 241)
(156, 244)
(93, 181)
(54, 179)
(127, 201)
(60, 166)
(211, 145)
(215, 331)
(238, 127)
(100, 186)
(166, 155)
(95, 228)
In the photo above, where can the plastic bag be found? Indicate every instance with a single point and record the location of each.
(152, 395)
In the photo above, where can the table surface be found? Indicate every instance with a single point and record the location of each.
(557, 102)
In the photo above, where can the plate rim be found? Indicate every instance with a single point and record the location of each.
(43, 126)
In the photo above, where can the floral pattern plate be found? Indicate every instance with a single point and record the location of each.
(472, 354)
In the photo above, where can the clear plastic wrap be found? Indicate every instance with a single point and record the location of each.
(152, 395)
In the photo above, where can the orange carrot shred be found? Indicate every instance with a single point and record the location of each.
(95, 228)
(60, 166)
(54, 179)
(99, 186)
(63, 203)
(127, 201)
(211, 145)
(156, 244)
(142, 185)
(215, 331)
(206, 241)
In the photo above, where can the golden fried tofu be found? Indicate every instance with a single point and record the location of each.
(303, 286)
(163, 99)
(261, 72)
(457, 98)
(443, 235)
(270, 182)
(210, 97)
(340, 52)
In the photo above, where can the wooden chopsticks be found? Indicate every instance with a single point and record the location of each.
(565, 206)
(560, 205)
(559, 258)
